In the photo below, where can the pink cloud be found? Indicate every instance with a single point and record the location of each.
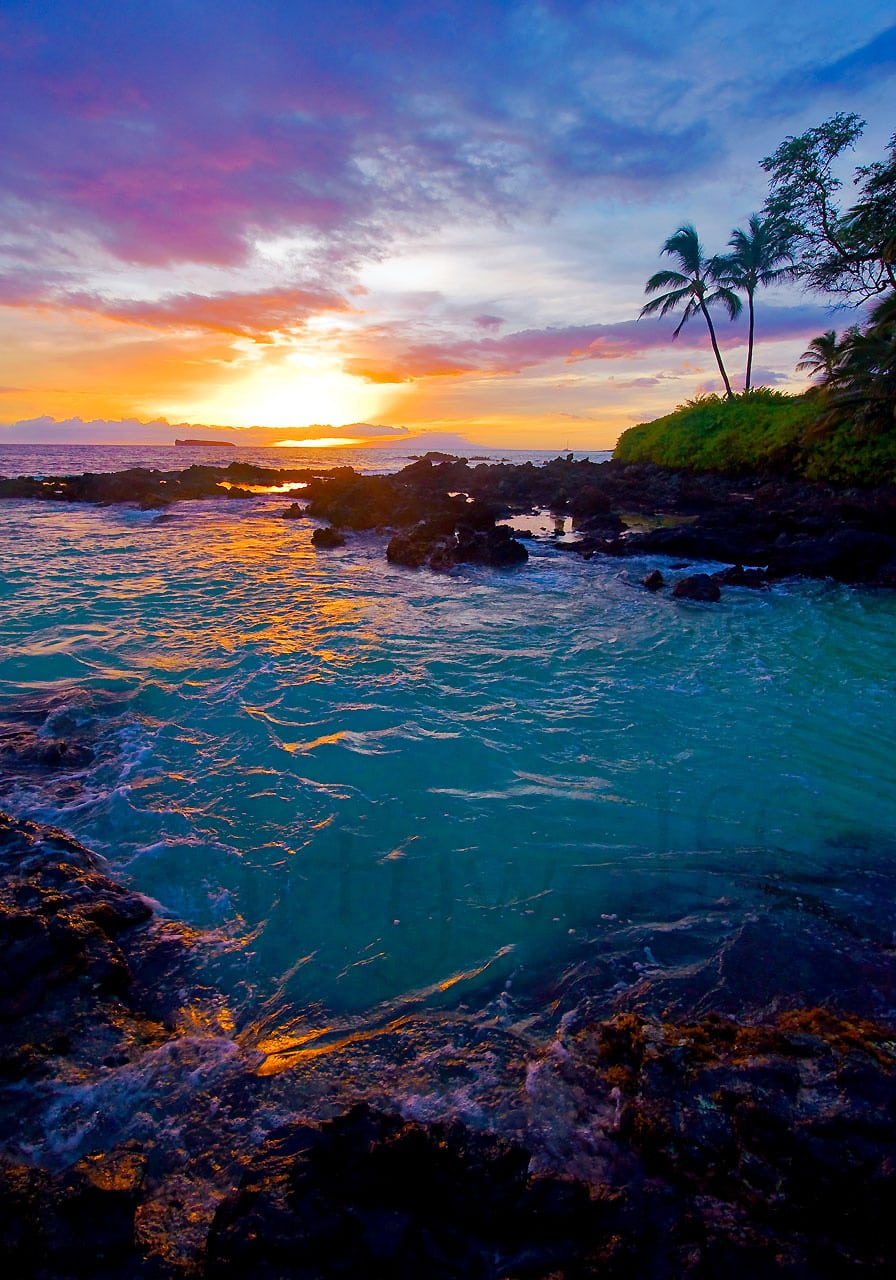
(573, 344)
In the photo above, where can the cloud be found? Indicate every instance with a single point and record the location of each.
(766, 377)
(871, 63)
(180, 181)
(863, 65)
(254, 315)
(573, 344)
(171, 133)
(47, 430)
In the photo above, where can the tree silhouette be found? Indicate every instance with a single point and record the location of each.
(861, 391)
(755, 262)
(696, 286)
(821, 357)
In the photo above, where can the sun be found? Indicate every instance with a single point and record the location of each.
(294, 393)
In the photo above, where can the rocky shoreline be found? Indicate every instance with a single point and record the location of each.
(444, 512)
(727, 1107)
(733, 1116)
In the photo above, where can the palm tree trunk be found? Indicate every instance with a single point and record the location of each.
(749, 343)
(715, 347)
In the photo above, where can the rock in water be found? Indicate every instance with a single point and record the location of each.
(699, 586)
(327, 538)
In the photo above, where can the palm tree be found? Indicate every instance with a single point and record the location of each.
(696, 287)
(756, 262)
(821, 357)
(862, 388)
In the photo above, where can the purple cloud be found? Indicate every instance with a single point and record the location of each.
(173, 134)
(573, 344)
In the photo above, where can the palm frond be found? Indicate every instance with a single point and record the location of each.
(668, 302)
(685, 245)
(665, 280)
(729, 300)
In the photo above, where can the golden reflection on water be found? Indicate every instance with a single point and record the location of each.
(286, 1048)
(270, 588)
(285, 1052)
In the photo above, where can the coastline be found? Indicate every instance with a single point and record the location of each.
(689, 1095)
(782, 526)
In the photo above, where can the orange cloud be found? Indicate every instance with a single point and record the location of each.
(253, 315)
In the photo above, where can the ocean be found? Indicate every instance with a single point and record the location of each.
(68, 459)
(418, 819)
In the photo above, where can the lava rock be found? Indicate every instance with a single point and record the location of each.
(653, 581)
(848, 555)
(373, 1195)
(493, 545)
(429, 544)
(327, 538)
(426, 543)
(699, 586)
(737, 576)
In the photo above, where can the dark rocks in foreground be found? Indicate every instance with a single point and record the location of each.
(86, 971)
(60, 921)
(744, 1151)
(729, 1129)
(373, 1195)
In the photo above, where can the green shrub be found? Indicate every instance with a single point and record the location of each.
(763, 430)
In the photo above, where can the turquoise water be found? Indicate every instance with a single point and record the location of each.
(392, 790)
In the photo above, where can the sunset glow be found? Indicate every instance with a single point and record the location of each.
(426, 220)
(321, 442)
(294, 390)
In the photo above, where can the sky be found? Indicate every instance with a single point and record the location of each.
(433, 219)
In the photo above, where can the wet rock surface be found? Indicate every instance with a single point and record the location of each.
(428, 544)
(87, 973)
(327, 539)
(698, 586)
(726, 1108)
(147, 487)
(373, 1195)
